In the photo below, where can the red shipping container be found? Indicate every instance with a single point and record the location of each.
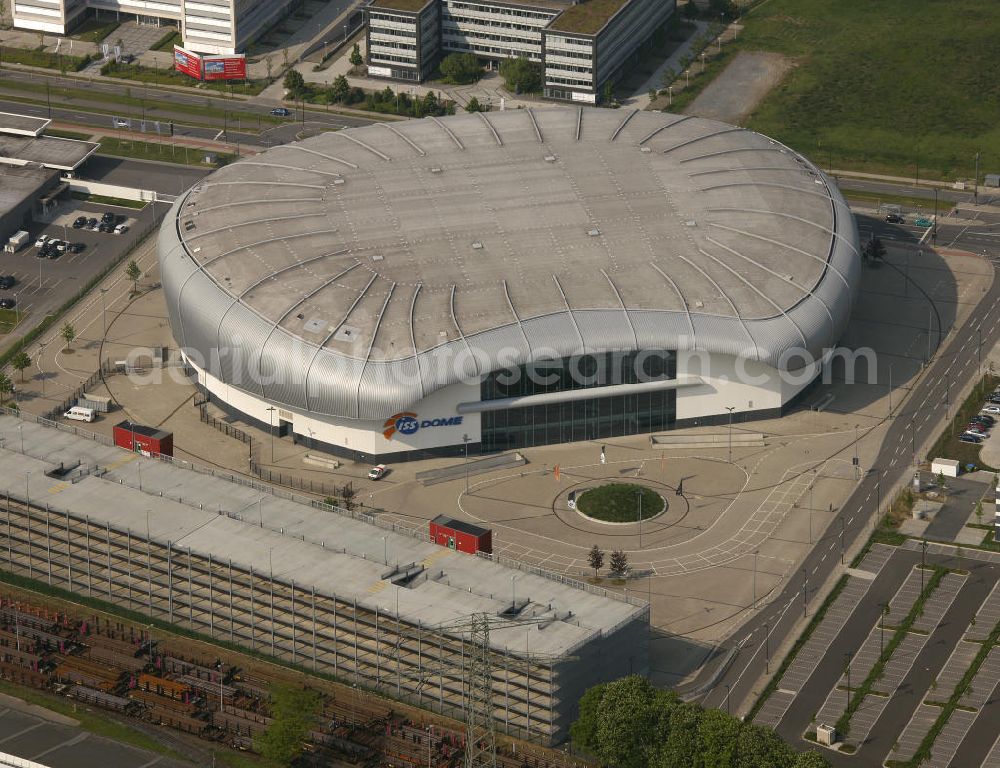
(462, 536)
(149, 441)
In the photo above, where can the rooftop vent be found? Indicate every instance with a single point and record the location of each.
(377, 257)
(477, 245)
(690, 223)
(647, 150)
(435, 169)
(550, 158)
(347, 333)
(699, 304)
(594, 233)
(314, 325)
(338, 181)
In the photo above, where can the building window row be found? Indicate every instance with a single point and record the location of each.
(446, 17)
(493, 10)
(465, 34)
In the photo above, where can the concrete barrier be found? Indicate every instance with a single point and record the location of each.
(715, 440)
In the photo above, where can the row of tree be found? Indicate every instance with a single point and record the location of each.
(618, 564)
(631, 724)
(385, 101)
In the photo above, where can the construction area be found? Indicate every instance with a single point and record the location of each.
(507, 649)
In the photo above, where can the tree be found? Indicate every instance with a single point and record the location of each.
(133, 273)
(811, 759)
(356, 58)
(874, 250)
(270, 66)
(341, 89)
(979, 511)
(626, 731)
(596, 559)
(20, 361)
(474, 106)
(294, 711)
(460, 68)
(619, 563)
(6, 386)
(757, 747)
(940, 480)
(294, 82)
(520, 75)
(681, 746)
(717, 734)
(68, 333)
(583, 731)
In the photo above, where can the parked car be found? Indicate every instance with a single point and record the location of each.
(91, 223)
(80, 221)
(121, 229)
(108, 217)
(966, 438)
(122, 123)
(61, 246)
(976, 428)
(7, 281)
(377, 472)
(895, 218)
(992, 409)
(923, 222)
(7, 303)
(77, 247)
(41, 241)
(280, 112)
(43, 252)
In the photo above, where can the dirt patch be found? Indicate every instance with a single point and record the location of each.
(741, 87)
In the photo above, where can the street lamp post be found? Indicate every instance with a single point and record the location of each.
(104, 312)
(270, 417)
(756, 552)
(728, 687)
(385, 549)
(975, 182)
(465, 441)
(847, 663)
(767, 649)
(890, 390)
(638, 495)
(730, 408)
(923, 562)
(805, 592)
(881, 625)
(841, 539)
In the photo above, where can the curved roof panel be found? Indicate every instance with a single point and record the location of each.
(355, 272)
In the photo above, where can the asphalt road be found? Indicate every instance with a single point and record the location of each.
(241, 112)
(918, 420)
(165, 178)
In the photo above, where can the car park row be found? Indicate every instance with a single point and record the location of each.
(979, 426)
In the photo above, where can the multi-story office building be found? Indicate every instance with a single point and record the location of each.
(581, 46)
(207, 26)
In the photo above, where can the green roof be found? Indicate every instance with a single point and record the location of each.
(587, 17)
(400, 5)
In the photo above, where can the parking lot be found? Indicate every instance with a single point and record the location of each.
(42, 284)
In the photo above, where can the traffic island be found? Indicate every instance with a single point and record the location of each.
(620, 503)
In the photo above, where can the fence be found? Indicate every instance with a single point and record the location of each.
(112, 190)
(249, 482)
(106, 369)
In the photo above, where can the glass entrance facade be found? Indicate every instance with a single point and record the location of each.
(590, 419)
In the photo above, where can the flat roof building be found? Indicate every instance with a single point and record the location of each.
(509, 279)
(313, 585)
(207, 26)
(21, 188)
(580, 46)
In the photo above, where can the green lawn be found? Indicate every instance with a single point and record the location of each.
(886, 86)
(121, 202)
(141, 74)
(93, 31)
(619, 503)
(168, 41)
(948, 446)
(147, 150)
(67, 134)
(8, 319)
(35, 57)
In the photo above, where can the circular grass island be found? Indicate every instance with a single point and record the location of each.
(619, 503)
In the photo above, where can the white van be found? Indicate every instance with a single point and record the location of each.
(77, 413)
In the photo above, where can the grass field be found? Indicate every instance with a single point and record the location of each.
(619, 503)
(903, 86)
(8, 320)
(147, 150)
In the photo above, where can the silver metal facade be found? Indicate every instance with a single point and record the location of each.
(730, 243)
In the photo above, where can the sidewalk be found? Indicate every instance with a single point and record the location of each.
(640, 99)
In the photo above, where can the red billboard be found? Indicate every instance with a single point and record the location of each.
(225, 67)
(187, 62)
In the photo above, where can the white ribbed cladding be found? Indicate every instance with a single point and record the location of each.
(547, 233)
